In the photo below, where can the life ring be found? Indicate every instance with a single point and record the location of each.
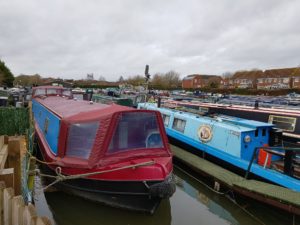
(205, 133)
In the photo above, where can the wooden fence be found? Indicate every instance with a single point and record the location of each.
(13, 210)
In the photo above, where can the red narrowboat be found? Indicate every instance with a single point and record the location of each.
(111, 154)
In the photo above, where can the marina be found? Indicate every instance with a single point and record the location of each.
(149, 113)
(214, 194)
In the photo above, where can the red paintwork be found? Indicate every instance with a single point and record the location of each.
(71, 111)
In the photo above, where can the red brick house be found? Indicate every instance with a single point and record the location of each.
(245, 79)
(195, 81)
(226, 82)
(279, 79)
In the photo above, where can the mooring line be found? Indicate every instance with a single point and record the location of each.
(60, 177)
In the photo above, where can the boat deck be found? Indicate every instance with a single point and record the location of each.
(279, 196)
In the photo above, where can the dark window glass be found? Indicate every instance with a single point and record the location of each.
(264, 132)
(256, 133)
(81, 139)
(166, 119)
(179, 125)
(283, 122)
(138, 130)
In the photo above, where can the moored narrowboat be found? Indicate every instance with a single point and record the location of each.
(106, 153)
(286, 119)
(250, 146)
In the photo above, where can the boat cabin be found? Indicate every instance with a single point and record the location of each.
(86, 134)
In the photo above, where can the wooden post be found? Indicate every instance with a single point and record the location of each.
(8, 194)
(14, 161)
(29, 215)
(3, 152)
(7, 175)
(1, 141)
(17, 210)
(2, 187)
(43, 221)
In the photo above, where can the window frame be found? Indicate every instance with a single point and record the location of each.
(271, 119)
(175, 128)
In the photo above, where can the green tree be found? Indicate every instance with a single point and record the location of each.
(6, 77)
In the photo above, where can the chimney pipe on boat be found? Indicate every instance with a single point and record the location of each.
(158, 102)
(256, 104)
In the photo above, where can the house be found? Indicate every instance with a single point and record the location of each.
(245, 79)
(279, 79)
(226, 82)
(195, 81)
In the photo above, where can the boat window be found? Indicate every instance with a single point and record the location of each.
(66, 93)
(46, 124)
(78, 96)
(166, 119)
(179, 124)
(81, 139)
(264, 132)
(256, 132)
(203, 109)
(283, 122)
(40, 91)
(138, 130)
(52, 91)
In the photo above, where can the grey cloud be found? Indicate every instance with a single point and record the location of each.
(118, 37)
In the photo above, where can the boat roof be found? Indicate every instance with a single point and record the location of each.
(244, 122)
(66, 108)
(235, 124)
(277, 111)
(48, 87)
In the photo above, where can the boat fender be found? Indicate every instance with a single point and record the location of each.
(163, 189)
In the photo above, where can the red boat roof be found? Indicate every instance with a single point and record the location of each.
(46, 87)
(66, 108)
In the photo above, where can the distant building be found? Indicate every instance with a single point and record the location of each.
(90, 76)
(280, 79)
(226, 82)
(195, 81)
(245, 79)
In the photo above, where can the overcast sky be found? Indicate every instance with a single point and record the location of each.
(70, 38)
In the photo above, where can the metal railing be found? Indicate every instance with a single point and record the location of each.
(288, 155)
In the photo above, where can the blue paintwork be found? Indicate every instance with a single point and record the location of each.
(227, 142)
(41, 114)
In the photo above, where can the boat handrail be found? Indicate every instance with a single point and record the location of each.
(271, 150)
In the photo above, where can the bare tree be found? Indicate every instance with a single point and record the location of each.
(172, 79)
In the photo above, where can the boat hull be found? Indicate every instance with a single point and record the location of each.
(267, 174)
(140, 196)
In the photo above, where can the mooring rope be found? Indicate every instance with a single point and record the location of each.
(60, 177)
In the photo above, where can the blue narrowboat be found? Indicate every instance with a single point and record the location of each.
(249, 145)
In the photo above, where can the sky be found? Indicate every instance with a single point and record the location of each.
(113, 38)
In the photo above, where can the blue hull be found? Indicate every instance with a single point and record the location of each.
(258, 170)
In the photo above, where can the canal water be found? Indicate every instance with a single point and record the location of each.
(193, 203)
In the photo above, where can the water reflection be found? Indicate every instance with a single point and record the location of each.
(68, 209)
(240, 211)
(191, 204)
